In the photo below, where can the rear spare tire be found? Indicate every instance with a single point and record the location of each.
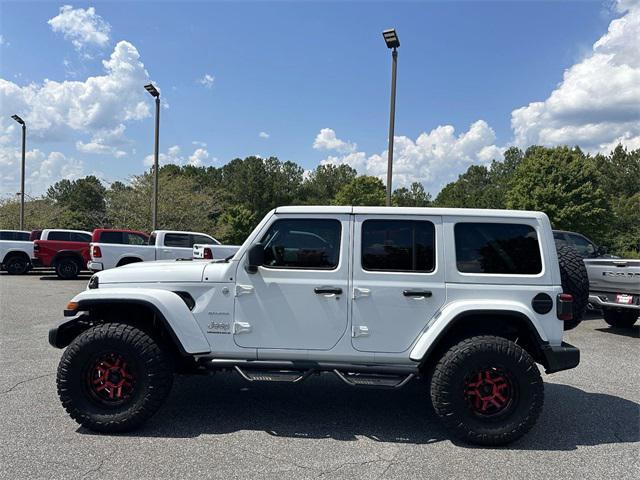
(573, 275)
(623, 318)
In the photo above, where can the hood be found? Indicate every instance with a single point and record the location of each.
(151, 272)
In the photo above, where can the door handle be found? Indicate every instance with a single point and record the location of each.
(327, 291)
(417, 293)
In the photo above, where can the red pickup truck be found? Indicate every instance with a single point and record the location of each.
(68, 250)
(65, 250)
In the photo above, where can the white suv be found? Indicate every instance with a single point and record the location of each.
(467, 300)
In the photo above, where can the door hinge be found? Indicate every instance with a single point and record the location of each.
(360, 331)
(361, 292)
(241, 327)
(243, 290)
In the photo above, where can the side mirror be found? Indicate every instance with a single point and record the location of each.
(256, 258)
(602, 251)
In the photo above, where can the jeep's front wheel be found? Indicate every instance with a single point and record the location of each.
(113, 377)
(488, 390)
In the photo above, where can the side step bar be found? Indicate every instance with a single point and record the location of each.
(353, 379)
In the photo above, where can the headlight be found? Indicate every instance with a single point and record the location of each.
(93, 282)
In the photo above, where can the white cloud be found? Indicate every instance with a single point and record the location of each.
(434, 158)
(105, 142)
(207, 81)
(199, 157)
(3, 41)
(597, 103)
(327, 140)
(198, 143)
(42, 170)
(83, 27)
(60, 110)
(264, 135)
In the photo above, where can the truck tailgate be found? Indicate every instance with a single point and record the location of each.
(614, 275)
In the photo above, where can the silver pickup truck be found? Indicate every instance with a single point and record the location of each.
(614, 283)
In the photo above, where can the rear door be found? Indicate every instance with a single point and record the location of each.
(398, 280)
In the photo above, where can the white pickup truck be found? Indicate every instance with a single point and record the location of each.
(163, 245)
(16, 251)
(214, 251)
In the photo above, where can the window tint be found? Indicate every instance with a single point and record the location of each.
(16, 236)
(134, 238)
(303, 243)
(59, 236)
(584, 247)
(398, 245)
(111, 237)
(202, 239)
(497, 248)
(79, 237)
(177, 240)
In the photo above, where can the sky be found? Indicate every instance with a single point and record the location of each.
(309, 82)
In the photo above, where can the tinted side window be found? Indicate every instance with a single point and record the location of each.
(560, 239)
(134, 239)
(201, 239)
(111, 237)
(303, 243)
(584, 247)
(177, 240)
(497, 248)
(6, 235)
(22, 236)
(79, 237)
(398, 245)
(59, 236)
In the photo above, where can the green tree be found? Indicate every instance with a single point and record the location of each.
(563, 183)
(364, 190)
(83, 201)
(323, 183)
(415, 196)
(471, 190)
(235, 224)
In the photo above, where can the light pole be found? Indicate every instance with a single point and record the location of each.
(392, 41)
(155, 93)
(24, 144)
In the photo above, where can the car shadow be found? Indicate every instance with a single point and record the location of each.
(633, 332)
(54, 277)
(323, 407)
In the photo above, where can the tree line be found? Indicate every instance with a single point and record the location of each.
(596, 195)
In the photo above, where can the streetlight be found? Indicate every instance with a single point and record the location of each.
(155, 93)
(24, 144)
(393, 42)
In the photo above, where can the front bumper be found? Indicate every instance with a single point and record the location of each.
(561, 357)
(95, 266)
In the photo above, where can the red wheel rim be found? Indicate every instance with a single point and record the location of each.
(110, 380)
(489, 391)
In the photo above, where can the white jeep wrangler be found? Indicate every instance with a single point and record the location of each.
(467, 300)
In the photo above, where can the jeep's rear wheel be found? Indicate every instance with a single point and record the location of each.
(67, 268)
(113, 377)
(488, 390)
(620, 318)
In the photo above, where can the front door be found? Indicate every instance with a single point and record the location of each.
(298, 298)
(398, 280)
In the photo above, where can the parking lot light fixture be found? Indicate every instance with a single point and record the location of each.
(24, 145)
(153, 91)
(393, 42)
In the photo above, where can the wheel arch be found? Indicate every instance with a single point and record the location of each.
(16, 253)
(166, 316)
(511, 324)
(64, 254)
(127, 259)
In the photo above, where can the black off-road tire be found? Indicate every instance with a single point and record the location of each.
(575, 281)
(451, 382)
(149, 370)
(623, 318)
(68, 268)
(16, 264)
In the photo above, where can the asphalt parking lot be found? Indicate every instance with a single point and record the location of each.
(223, 427)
